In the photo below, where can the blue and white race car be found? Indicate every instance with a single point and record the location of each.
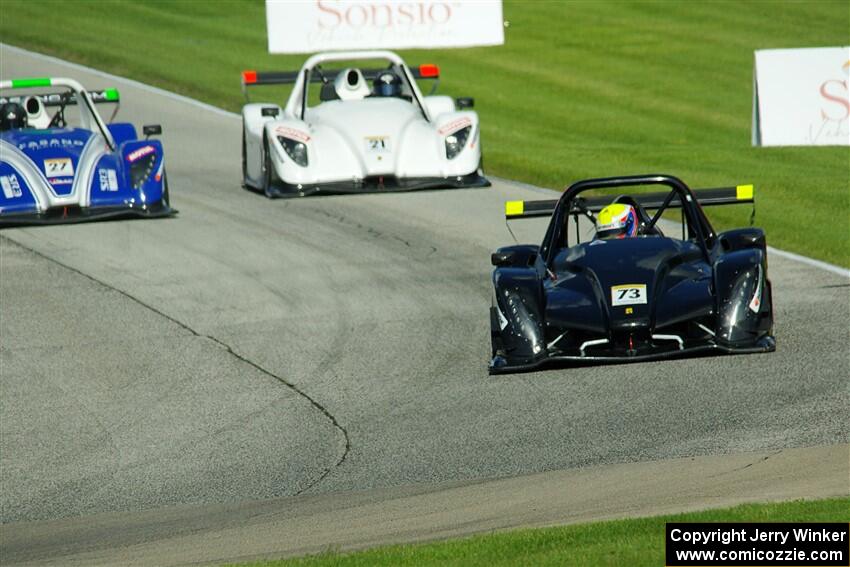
(60, 162)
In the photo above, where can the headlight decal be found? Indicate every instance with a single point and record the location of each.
(297, 151)
(456, 141)
(755, 302)
(140, 169)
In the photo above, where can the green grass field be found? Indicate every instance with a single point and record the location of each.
(580, 89)
(621, 542)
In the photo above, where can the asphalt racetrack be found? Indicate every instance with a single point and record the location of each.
(189, 373)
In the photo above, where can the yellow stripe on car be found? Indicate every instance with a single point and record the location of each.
(514, 208)
(743, 192)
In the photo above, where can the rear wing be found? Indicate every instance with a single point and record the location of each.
(259, 78)
(66, 99)
(265, 78)
(706, 197)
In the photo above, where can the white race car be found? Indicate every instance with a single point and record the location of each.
(364, 129)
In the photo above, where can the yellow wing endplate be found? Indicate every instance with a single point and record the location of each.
(514, 208)
(744, 192)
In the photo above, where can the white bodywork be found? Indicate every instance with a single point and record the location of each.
(359, 136)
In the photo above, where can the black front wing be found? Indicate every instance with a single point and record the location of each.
(71, 215)
(499, 365)
(383, 184)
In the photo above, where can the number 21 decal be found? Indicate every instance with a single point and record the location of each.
(377, 144)
(628, 294)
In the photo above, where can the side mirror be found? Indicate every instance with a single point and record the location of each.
(741, 239)
(328, 92)
(151, 130)
(270, 111)
(500, 259)
(465, 102)
(518, 256)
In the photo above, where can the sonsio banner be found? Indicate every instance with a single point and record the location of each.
(800, 97)
(307, 26)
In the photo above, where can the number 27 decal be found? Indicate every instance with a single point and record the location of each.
(58, 167)
(628, 294)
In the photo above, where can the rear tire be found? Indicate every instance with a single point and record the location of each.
(244, 158)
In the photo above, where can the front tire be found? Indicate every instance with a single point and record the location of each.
(268, 171)
(166, 197)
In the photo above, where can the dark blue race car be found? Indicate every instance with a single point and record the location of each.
(641, 295)
(60, 162)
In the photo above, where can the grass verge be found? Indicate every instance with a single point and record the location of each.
(621, 542)
(580, 89)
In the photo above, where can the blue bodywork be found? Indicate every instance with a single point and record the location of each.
(57, 175)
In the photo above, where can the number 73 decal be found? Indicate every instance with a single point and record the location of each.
(628, 294)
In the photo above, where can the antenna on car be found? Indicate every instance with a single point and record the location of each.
(114, 112)
(508, 224)
(578, 230)
(318, 69)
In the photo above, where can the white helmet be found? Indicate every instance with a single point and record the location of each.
(351, 85)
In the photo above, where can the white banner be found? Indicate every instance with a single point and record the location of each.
(800, 97)
(308, 26)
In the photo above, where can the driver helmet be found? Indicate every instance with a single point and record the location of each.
(387, 84)
(617, 221)
(12, 116)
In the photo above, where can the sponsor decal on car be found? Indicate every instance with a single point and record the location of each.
(377, 144)
(628, 294)
(140, 153)
(292, 133)
(108, 180)
(11, 186)
(755, 302)
(56, 142)
(52, 99)
(61, 181)
(454, 126)
(58, 167)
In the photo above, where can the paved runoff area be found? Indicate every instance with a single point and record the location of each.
(259, 377)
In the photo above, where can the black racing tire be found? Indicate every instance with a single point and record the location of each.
(166, 196)
(268, 170)
(244, 158)
(496, 345)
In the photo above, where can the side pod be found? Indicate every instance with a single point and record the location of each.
(744, 302)
(516, 315)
